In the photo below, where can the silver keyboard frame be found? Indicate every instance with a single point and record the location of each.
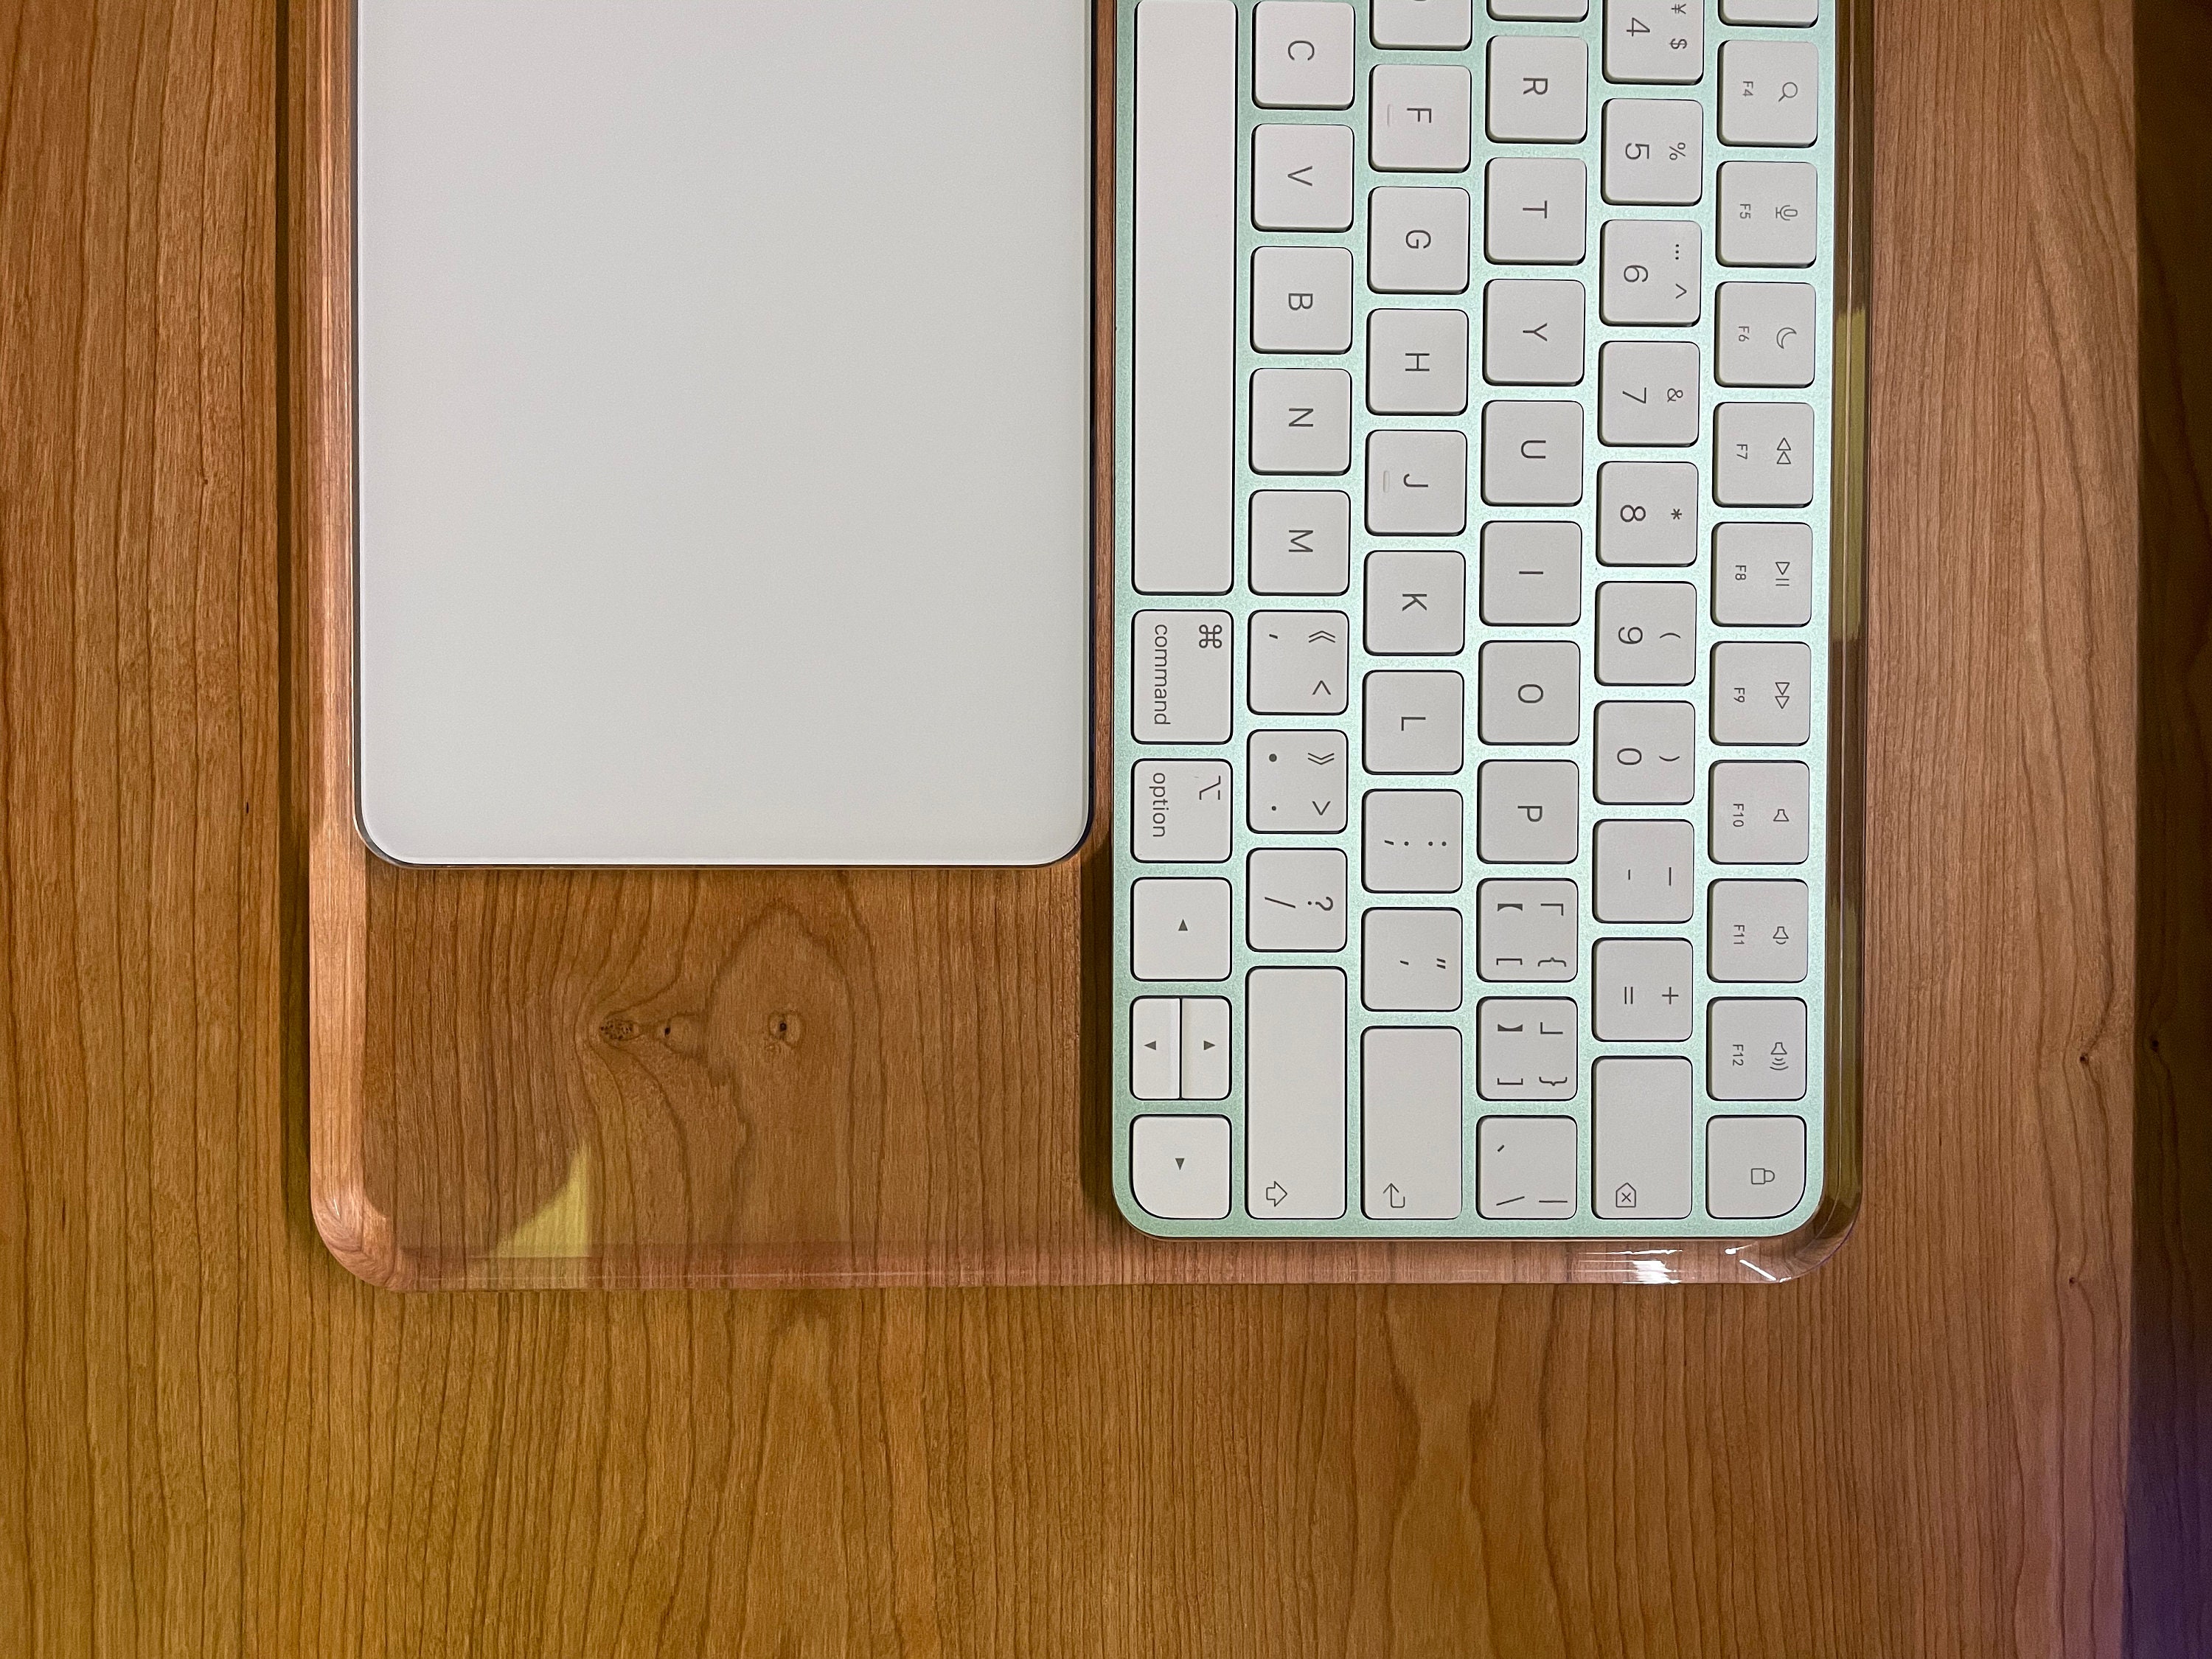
(1589, 1247)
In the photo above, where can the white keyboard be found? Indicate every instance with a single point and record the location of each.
(1486, 520)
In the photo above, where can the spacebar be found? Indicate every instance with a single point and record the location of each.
(1185, 342)
(1294, 1066)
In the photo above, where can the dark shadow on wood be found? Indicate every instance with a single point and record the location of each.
(2170, 1453)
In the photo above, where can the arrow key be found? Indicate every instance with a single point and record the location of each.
(1156, 1049)
(1179, 1167)
(1205, 1048)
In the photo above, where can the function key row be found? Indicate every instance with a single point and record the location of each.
(1645, 39)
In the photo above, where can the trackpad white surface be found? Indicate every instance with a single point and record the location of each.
(724, 408)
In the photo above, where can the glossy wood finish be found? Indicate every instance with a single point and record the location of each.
(780, 1078)
(214, 1440)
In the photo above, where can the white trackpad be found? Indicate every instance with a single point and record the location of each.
(724, 414)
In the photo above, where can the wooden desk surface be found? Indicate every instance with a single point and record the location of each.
(212, 1440)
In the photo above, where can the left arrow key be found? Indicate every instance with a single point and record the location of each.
(1156, 1049)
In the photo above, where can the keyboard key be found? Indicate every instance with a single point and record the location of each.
(1206, 1048)
(1295, 899)
(1301, 420)
(1799, 13)
(1433, 25)
(1527, 1168)
(1755, 1049)
(1302, 299)
(1417, 362)
(1643, 990)
(1641, 1114)
(1181, 683)
(1763, 455)
(1766, 335)
(1179, 1167)
(1301, 541)
(1646, 870)
(1179, 930)
(1539, 89)
(1416, 604)
(1532, 573)
(1296, 783)
(1647, 753)
(1758, 932)
(1529, 812)
(1534, 212)
(1409, 960)
(1532, 454)
(1769, 92)
(1655, 152)
(1301, 662)
(1647, 512)
(1421, 118)
(1654, 272)
(1528, 932)
(1763, 574)
(1540, 11)
(1156, 1049)
(1526, 1049)
(1294, 1093)
(1411, 841)
(1181, 812)
(1410, 1095)
(1762, 812)
(1302, 55)
(1302, 177)
(1416, 238)
(1754, 1167)
(1416, 483)
(1184, 391)
(1532, 333)
(1655, 40)
(1768, 213)
(1413, 721)
(1648, 393)
(1531, 692)
(1647, 633)
(1762, 693)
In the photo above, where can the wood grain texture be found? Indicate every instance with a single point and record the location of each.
(213, 1440)
(799, 1077)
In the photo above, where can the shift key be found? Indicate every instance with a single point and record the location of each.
(1180, 685)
